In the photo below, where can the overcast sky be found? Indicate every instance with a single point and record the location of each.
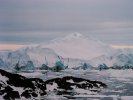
(34, 21)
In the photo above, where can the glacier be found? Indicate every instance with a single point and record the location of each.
(74, 50)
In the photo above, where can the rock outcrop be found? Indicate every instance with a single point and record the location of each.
(14, 86)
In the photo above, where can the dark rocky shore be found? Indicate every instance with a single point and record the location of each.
(14, 86)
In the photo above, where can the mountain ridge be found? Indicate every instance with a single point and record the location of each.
(74, 50)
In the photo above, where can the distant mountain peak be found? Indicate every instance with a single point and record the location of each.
(75, 34)
(76, 45)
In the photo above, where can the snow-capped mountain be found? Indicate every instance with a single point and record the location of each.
(74, 50)
(78, 46)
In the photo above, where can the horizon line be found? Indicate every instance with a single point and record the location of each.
(17, 46)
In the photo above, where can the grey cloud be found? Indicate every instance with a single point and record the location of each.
(52, 18)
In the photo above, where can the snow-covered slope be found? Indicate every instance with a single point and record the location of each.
(78, 46)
